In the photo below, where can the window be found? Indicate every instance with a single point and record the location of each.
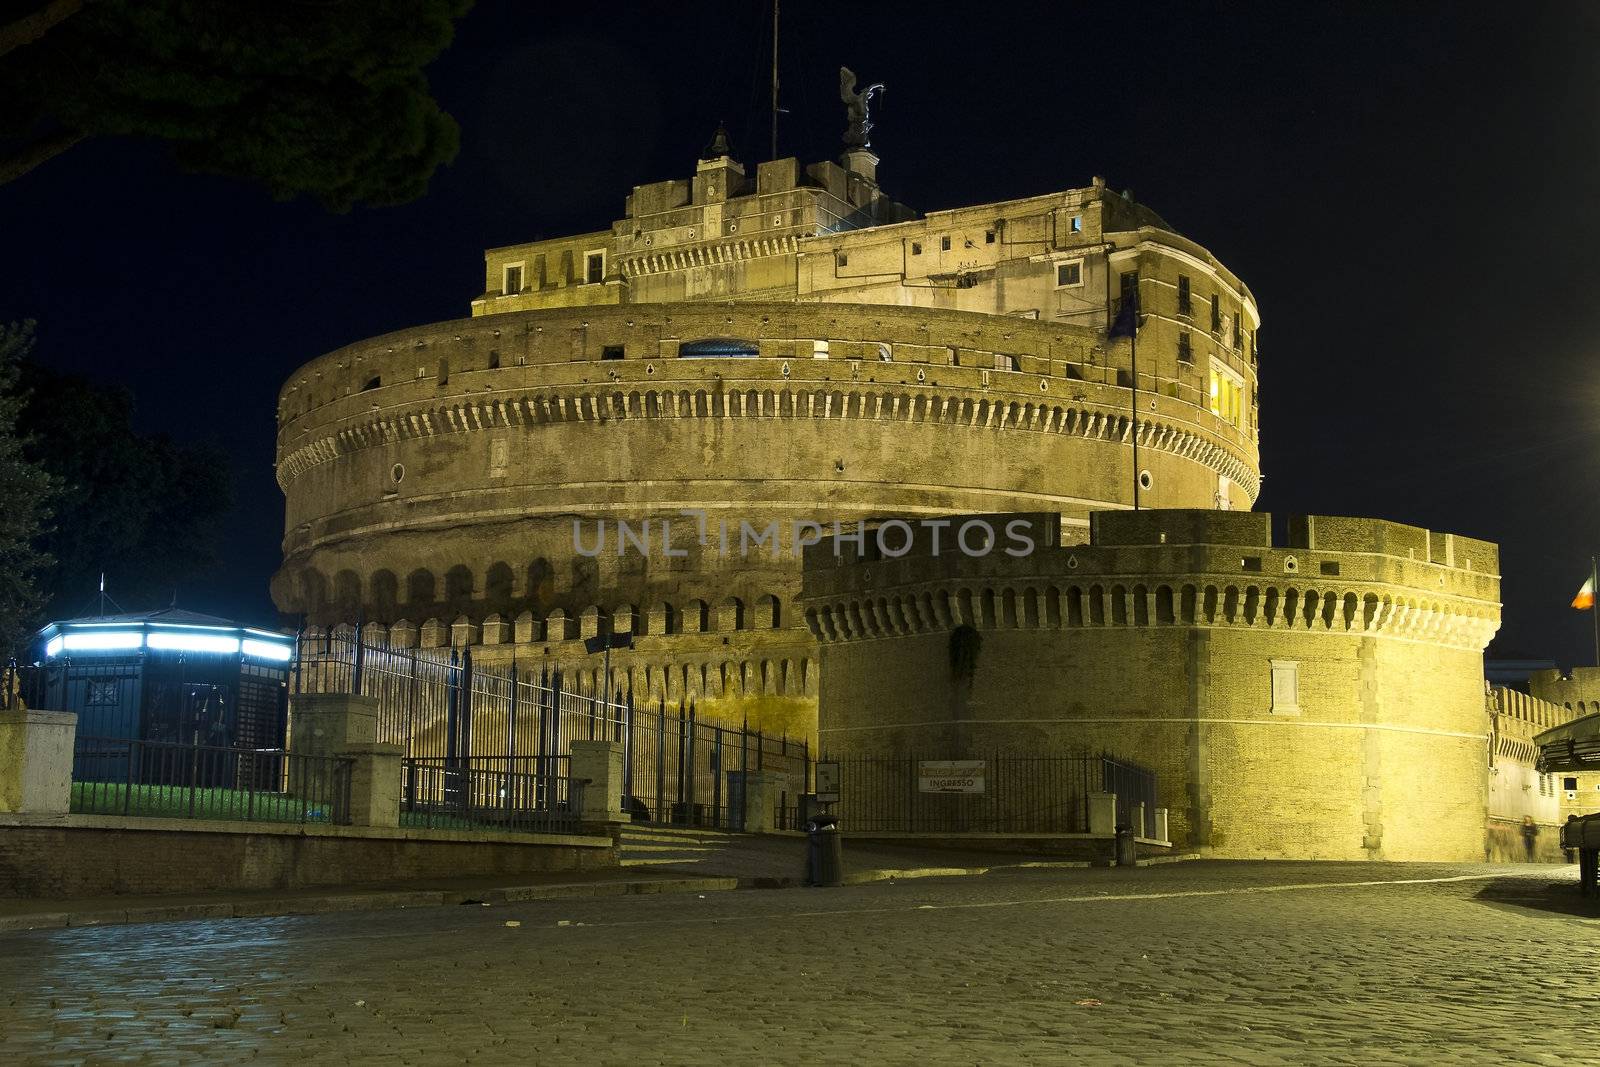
(988, 237)
(1069, 274)
(372, 383)
(1004, 362)
(1226, 394)
(1329, 569)
(1285, 687)
(916, 248)
(494, 359)
(1238, 333)
(819, 350)
(1185, 353)
(844, 259)
(717, 347)
(1077, 224)
(1569, 784)
(444, 371)
(944, 244)
(1184, 305)
(1216, 314)
(594, 267)
(513, 282)
(611, 352)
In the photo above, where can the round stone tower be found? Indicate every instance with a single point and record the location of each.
(640, 427)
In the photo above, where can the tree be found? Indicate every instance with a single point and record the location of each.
(141, 509)
(324, 98)
(26, 492)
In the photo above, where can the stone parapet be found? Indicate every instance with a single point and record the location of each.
(36, 761)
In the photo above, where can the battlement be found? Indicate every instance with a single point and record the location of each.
(1152, 568)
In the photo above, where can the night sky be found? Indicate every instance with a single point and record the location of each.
(1410, 192)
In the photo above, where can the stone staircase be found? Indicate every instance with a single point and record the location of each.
(652, 845)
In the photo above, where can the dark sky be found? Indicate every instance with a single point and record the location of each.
(1410, 190)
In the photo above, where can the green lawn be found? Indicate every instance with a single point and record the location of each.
(181, 802)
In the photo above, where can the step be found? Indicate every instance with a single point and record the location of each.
(675, 839)
(676, 831)
(632, 846)
(652, 861)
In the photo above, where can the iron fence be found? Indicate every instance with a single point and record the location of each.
(444, 708)
(528, 795)
(125, 776)
(1011, 794)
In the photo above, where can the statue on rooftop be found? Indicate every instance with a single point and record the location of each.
(858, 133)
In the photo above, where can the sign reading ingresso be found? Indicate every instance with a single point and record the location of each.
(950, 776)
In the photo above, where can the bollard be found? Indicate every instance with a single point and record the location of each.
(825, 855)
(1127, 850)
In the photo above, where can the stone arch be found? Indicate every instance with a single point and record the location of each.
(1008, 609)
(1208, 605)
(1030, 608)
(1119, 605)
(1187, 605)
(1074, 606)
(768, 615)
(1230, 603)
(347, 595)
(421, 587)
(313, 590)
(458, 584)
(498, 583)
(1166, 614)
(1141, 606)
(730, 614)
(385, 594)
(1097, 606)
(541, 586)
(695, 617)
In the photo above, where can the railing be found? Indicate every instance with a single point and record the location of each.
(122, 776)
(1017, 795)
(1132, 785)
(533, 795)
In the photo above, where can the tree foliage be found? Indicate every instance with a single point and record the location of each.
(325, 98)
(26, 492)
(141, 509)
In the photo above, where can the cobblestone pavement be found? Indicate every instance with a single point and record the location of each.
(1201, 962)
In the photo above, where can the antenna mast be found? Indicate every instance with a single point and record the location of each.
(774, 80)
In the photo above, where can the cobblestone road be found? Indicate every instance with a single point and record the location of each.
(1188, 963)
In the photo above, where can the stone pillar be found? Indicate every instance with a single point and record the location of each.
(1103, 814)
(761, 790)
(600, 762)
(374, 784)
(1137, 819)
(1161, 825)
(36, 761)
(326, 724)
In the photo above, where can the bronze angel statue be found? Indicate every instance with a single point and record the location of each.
(858, 133)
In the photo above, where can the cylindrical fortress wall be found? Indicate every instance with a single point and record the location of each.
(1320, 699)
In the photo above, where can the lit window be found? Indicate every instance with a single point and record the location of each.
(1077, 224)
(1004, 362)
(1069, 274)
(594, 267)
(513, 279)
(1226, 394)
(819, 350)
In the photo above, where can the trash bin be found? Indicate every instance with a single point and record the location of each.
(825, 852)
(1127, 851)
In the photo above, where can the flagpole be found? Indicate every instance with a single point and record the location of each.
(1594, 611)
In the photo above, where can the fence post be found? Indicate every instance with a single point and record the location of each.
(694, 819)
(677, 808)
(744, 767)
(661, 755)
(511, 736)
(627, 747)
(360, 661)
(716, 777)
(465, 711)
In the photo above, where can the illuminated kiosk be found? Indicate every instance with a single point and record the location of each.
(167, 677)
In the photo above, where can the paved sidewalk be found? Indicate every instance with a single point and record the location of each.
(769, 861)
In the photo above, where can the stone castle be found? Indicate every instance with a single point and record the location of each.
(671, 428)
(761, 348)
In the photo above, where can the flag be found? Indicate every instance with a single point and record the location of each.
(1585, 598)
